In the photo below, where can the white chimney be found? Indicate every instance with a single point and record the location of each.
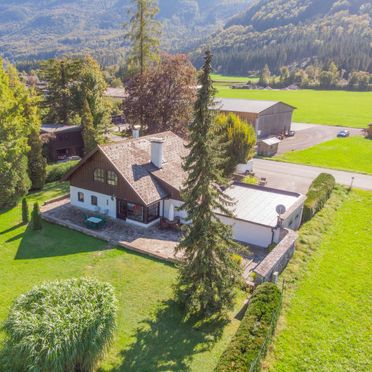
(157, 152)
(136, 131)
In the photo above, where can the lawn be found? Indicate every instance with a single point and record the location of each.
(151, 334)
(351, 154)
(326, 321)
(350, 109)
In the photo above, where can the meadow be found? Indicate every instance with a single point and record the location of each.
(343, 108)
(151, 334)
(350, 154)
(325, 323)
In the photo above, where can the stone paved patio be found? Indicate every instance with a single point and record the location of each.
(151, 241)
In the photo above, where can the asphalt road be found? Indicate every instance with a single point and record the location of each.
(296, 177)
(308, 135)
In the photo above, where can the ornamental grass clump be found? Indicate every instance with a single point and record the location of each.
(60, 326)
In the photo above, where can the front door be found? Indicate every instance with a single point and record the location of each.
(122, 209)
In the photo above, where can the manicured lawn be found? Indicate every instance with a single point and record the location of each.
(351, 109)
(351, 154)
(151, 334)
(326, 325)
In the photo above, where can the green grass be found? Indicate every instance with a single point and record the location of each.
(151, 334)
(351, 154)
(351, 109)
(326, 319)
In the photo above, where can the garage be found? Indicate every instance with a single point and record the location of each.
(255, 218)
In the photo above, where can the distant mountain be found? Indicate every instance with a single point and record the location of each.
(294, 32)
(38, 29)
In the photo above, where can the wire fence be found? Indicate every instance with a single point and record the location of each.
(256, 364)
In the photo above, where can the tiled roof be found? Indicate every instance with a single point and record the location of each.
(132, 159)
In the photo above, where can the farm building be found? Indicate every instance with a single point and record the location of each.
(62, 141)
(269, 118)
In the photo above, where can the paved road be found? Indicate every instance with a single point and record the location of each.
(296, 177)
(308, 135)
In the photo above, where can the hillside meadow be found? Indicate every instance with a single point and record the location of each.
(333, 107)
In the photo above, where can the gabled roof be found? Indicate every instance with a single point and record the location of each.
(245, 105)
(59, 128)
(132, 160)
(271, 141)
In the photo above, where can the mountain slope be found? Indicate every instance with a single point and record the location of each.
(294, 32)
(45, 28)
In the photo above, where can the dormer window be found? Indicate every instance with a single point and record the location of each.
(99, 175)
(112, 178)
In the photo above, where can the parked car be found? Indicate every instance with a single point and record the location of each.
(291, 133)
(343, 133)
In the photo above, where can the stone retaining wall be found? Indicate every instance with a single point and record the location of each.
(277, 259)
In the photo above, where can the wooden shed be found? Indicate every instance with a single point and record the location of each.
(269, 118)
(62, 141)
(268, 146)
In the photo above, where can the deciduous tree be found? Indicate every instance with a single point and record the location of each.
(162, 98)
(208, 275)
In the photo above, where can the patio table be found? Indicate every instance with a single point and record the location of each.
(94, 222)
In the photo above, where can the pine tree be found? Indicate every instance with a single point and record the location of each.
(143, 33)
(36, 217)
(208, 274)
(25, 212)
(88, 128)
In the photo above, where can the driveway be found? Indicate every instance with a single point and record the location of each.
(296, 177)
(308, 135)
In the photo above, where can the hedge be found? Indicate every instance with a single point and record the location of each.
(55, 172)
(249, 344)
(60, 326)
(319, 192)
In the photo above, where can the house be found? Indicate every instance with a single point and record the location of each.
(269, 118)
(268, 147)
(139, 181)
(62, 141)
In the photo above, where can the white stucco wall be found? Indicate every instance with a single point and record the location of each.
(177, 213)
(248, 232)
(293, 221)
(105, 205)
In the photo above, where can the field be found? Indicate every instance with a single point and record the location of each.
(350, 109)
(326, 321)
(232, 79)
(351, 154)
(151, 334)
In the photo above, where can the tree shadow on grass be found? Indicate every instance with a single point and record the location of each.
(54, 241)
(15, 227)
(168, 343)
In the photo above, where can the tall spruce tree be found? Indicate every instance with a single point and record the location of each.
(88, 128)
(208, 274)
(143, 32)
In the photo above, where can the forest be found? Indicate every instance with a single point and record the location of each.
(294, 33)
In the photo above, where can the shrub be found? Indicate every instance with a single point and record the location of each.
(25, 213)
(319, 192)
(36, 217)
(55, 172)
(258, 323)
(60, 326)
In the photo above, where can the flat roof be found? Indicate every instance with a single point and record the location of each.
(245, 105)
(258, 204)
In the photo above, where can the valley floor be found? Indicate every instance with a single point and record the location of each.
(332, 107)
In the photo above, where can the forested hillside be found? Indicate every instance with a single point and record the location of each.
(39, 29)
(294, 33)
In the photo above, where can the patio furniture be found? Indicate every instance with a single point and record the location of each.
(94, 222)
(167, 224)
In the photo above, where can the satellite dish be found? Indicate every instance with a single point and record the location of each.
(281, 209)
